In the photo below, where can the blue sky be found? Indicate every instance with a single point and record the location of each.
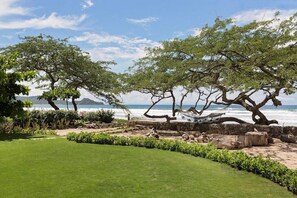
(119, 30)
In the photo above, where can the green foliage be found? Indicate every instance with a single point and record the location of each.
(8, 126)
(48, 119)
(267, 168)
(10, 87)
(225, 64)
(105, 116)
(63, 69)
(121, 121)
(60, 93)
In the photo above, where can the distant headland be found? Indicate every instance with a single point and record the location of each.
(35, 100)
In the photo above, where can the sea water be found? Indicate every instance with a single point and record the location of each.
(286, 115)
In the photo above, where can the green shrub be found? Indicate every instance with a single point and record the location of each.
(267, 168)
(91, 116)
(105, 116)
(48, 119)
(6, 125)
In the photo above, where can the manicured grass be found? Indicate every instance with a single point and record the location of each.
(59, 168)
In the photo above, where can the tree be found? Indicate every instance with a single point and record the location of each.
(228, 64)
(62, 68)
(10, 87)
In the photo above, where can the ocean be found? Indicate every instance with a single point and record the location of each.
(286, 115)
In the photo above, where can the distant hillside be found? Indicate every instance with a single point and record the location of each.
(34, 100)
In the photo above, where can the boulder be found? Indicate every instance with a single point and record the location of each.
(228, 141)
(289, 138)
(191, 137)
(202, 138)
(185, 137)
(276, 141)
(256, 139)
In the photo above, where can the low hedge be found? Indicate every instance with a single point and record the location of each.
(267, 168)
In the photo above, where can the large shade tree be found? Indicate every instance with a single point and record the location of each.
(248, 65)
(63, 69)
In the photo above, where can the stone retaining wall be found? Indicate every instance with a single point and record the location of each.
(227, 129)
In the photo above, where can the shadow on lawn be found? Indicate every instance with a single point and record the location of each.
(15, 136)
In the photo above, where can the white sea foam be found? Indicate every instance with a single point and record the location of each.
(284, 117)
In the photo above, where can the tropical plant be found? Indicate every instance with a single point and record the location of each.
(10, 87)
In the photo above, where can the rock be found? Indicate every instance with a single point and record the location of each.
(270, 140)
(91, 126)
(276, 140)
(228, 141)
(202, 138)
(256, 139)
(289, 138)
(191, 137)
(236, 144)
(185, 137)
(139, 127)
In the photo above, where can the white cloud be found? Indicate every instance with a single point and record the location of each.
(143, 21)
(262, 15)
(7, 7)
(96, 39)
(112, 47)
(87, 4)
(52, 21)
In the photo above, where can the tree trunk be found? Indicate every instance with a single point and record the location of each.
(250, 105)
(259, 118)
(231, 119)
(50, 102)
(168, 118)
(74, 103)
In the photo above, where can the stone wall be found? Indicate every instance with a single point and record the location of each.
(227, 129)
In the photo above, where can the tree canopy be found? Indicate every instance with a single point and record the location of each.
(10, 87)
(225, 64)
(63, 69)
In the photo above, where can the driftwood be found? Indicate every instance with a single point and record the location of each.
(231, 119)
(211, 118)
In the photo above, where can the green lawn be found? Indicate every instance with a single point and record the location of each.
(59, 168)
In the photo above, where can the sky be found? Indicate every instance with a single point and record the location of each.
(120, 30)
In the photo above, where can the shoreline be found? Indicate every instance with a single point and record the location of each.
(284, 117)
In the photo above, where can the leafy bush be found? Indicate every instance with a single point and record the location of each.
(105, 116)
(48, 119)
(267, 168)
(6, 125)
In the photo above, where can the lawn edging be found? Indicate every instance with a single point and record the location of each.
(267, 168)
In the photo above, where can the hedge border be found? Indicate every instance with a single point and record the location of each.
(267, 168)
